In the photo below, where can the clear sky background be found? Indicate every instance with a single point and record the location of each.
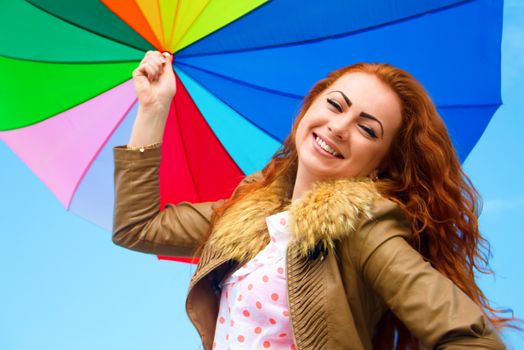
(64, 285)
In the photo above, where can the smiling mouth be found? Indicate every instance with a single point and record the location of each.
(326, 147)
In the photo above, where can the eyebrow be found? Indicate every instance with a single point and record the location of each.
(362, 114)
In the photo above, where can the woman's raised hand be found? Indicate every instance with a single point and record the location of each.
(155, 87)
(154, 80)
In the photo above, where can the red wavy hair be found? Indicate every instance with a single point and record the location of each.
(424, 176)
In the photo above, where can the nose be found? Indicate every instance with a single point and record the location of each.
(339, 127)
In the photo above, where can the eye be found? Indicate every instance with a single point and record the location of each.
(334, 104)
(368, 130)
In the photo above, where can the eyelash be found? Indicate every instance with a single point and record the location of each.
(334, 104)
(368, 130)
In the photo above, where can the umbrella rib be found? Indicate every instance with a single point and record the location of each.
(69, 62)
(241, 82)
(87, 29)
(109, 135)
(480, 105)
(164, 42)
(187, 155)
(182, 36)
(274, 137)
(333, 36)
(181, 135)
(174, 27)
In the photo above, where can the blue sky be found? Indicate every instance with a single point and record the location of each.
(66, 286)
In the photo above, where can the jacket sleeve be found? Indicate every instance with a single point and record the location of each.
(138, 222)
(429, 304)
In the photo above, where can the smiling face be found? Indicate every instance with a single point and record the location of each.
(348, 129)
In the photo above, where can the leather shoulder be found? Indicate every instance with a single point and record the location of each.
(387, 220)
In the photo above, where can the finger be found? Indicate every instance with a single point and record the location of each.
(157, 55)
(138, 74)
(158, 59)
(140, 71)
(158, 62)
(149, 55)
(145, 70)
(146, 56)
(152, 71)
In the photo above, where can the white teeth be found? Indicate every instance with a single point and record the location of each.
(326, 147)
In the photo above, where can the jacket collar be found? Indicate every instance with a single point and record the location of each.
(329, 211)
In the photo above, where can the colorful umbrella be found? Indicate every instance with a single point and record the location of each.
(67, 98)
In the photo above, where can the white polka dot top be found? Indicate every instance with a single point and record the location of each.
(253, 311)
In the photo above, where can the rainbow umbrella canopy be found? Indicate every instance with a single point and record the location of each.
(242, 67)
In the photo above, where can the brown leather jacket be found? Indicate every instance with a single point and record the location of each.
(348, 263)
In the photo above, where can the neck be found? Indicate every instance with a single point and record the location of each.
(303, 183)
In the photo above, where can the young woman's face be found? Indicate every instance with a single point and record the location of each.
(348, 129)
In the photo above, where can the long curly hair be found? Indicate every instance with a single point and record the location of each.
(424, 177)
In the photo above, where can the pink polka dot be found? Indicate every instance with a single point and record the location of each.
(239, 297)
(258, 330)
(266, 344)
(265, 278)
(281, 335)
(241, 338)
(282, 221)
(221, 319)
(285, 313)
(273, 239)
(258, 305)
(246, 313)
(227, 336)
(232, 323)
(272, 321)
(229, 309)
(250, 286)
(280, 270)
(274, 296)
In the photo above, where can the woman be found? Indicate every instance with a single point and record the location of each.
(378, 237)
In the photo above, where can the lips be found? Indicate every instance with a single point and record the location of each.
(327, 146)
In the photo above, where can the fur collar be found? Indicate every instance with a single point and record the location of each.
(329, 211)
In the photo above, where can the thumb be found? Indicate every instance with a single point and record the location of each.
(168, 65)
(168, 56)
(167, 77)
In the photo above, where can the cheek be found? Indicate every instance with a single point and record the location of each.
(367, 153)
(377, 155)
(302, 130)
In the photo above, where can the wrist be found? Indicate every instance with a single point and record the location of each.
(153, 109)
(142, 148)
